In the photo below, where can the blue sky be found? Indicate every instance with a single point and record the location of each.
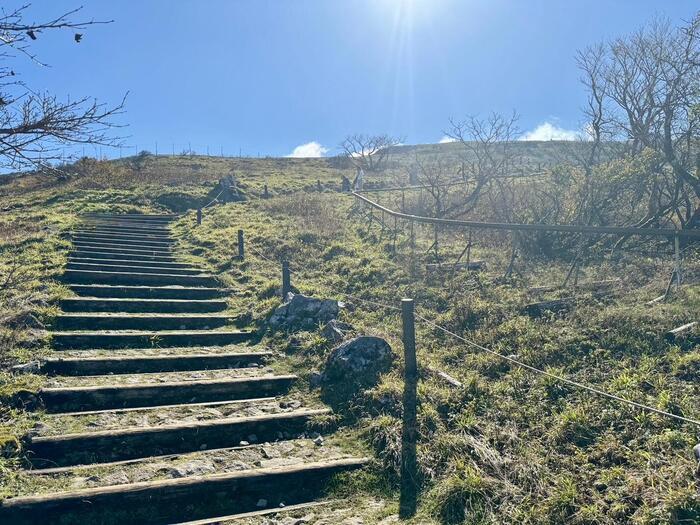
(268, 76)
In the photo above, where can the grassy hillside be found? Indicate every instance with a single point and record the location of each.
(508, 446)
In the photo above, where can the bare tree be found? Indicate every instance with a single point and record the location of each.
(368, 152)
(488, 150)
(34, 125)
(645, 89)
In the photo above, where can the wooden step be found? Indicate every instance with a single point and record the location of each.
(127, 266)
(145, 339)
(156, 217)
(158, 230)
(147, 292)
(122, 241)
(286, 509)
(98, 255)
(102, 397)
(131, 321)
(137, 278)
(154, 235)
(91, 304)
(172, 500)
(128, 224)
(78, 366)
(73, 258)
(112, 248)
(137, 442)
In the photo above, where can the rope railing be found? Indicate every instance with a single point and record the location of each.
(565, 228)
(427, 322)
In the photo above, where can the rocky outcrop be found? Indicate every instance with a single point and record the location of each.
(354, 365)
(303, 313)
(228, 190)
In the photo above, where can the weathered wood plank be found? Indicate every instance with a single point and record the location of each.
(166, 501)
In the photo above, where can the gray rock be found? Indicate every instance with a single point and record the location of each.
(227, 190)
(303, 313)
(32, 367)
(359, 360)
(269, 453)
(334, 330)
(318, 441)
(193, 468)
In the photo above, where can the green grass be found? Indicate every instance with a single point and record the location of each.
(508, 446)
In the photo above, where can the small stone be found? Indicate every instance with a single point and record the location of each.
(262, 503)
(318, 441)
(293, 403)
(244, 443)
(269, 453)
(33, 367)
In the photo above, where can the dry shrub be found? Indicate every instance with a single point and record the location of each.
(313, 212)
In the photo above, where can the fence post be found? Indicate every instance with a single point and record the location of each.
(199, 216)
(241, 246)
(409, 433)
(286, 281)
(266, 194)
(677, 253)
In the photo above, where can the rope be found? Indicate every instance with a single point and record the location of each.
(213, 201)
(560, 378)
(512, 360)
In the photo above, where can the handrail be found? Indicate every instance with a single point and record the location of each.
(567, 228)
(463, 182)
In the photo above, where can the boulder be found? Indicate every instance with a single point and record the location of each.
(303, 313)
(357, 364)
(228, 190)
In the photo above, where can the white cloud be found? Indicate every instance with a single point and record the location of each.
(549, 131)
(310, 149)
(445, 139)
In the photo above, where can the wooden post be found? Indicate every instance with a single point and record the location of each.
(199, 216)
(266, 194)
(409, 462)
(677, 253)
(318, 185)
(241, 246)
(286, 281)
(469, 249)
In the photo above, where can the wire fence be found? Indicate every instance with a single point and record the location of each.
(431, 324)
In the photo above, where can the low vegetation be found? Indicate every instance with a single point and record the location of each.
(508, 445)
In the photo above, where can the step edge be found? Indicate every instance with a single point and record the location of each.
(170, 384)
(130, 431)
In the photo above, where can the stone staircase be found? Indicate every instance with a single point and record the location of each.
(157, 410)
